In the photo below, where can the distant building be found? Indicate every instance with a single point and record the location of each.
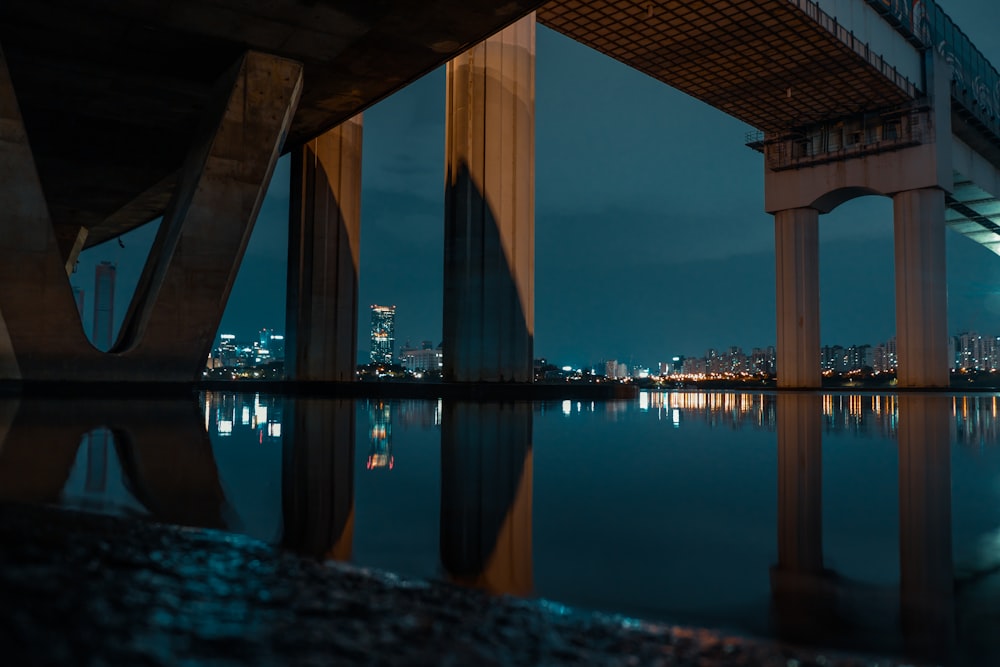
(78, 298)
(424, 359)
(383, 336)
(104, 304)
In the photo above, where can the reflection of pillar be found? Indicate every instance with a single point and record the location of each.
(162, 446)
(486, 477)
(489, 251)
(926, 573)
(921, 288)
(317, 480)
(800, 483)
(323, 250)
(796, 247)
(803, 594)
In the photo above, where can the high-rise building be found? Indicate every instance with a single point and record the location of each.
(78, 298)
(383, 335)
(104, 304)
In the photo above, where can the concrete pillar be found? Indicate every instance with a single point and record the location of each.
(489, 261)
(927, 579)
(324, 232)
(921, 288)
(317, 477)
(37, 313)
(181, 295)
(486, 478)
(796, 249)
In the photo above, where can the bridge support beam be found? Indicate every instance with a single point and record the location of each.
(489, 263)
(182, 293)
(178, 303)
(324, 236)
(796, 246)
(921, 288)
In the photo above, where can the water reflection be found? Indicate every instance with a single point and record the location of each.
(662, 507)
(161, 447)
(317, 478)
(486, 478)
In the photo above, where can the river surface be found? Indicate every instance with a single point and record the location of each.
(863, 522)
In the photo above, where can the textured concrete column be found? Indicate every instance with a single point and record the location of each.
(317, 477)
(796, 249)
(489, 257)
(921, 288)
(486, 478)
(324, 232)
(927, 579)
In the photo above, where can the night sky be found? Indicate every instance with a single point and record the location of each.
(651, 239)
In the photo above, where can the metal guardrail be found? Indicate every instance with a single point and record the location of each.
(975, 81)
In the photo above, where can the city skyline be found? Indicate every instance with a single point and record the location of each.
(650, 229)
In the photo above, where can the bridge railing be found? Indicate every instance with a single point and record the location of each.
(863, 49)
(866, 134)
(975, 81)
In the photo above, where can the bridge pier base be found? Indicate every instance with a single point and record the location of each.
(921, 288)
(321, 329)
(796, 245)
(489, 262)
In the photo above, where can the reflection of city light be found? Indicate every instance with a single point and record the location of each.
(567, 407)
(225, 427)
(274, 429)
(246, 416)
(676, 415)
(644, 400)
(260, 415)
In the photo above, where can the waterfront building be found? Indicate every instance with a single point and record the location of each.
(424, 359)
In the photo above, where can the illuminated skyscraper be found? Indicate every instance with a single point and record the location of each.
(104, 304)
(383, 334)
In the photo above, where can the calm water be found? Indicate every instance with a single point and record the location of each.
(865, 522)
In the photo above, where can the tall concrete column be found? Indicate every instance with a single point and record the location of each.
(921, 288)
(796, 249)
(324, 235)
(489, 257)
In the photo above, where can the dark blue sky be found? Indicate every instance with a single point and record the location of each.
(651, 238)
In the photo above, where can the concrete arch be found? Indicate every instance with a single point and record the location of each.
(828, 202)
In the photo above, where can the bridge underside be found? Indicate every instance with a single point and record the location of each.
(765, 62)
(111, 92)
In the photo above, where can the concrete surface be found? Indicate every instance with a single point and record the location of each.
(79, 589)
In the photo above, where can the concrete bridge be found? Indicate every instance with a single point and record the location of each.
(115, 113)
